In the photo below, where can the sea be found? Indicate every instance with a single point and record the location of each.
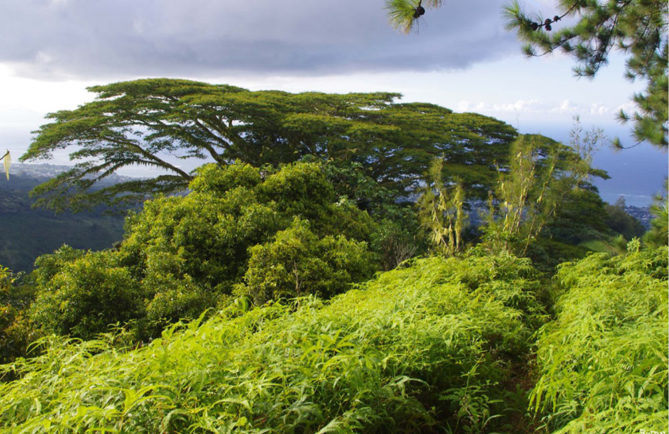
(636, 173)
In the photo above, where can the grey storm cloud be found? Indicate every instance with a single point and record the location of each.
(90, 38)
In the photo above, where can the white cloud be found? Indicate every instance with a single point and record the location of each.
(535, 110)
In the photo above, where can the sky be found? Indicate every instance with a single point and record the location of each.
(459, 56)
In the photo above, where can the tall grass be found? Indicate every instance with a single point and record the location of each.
(427, 348)
(603, 362)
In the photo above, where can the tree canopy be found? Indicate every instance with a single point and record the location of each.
(140, 122)
(638, 28)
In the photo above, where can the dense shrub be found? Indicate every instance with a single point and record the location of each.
(426, 348)
(581, 216)
(212, 179)
(621, 222)
(298, 263)
(47, 266)
(658, 234)
(206, 235)
(87, 295)
(16, 329)
(603, 362)
(397, 235)
(176, 299)
(202, 237)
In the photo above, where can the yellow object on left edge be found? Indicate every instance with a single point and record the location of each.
(6, 161)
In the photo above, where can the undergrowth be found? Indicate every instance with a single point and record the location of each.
(438, 345)
(425, 348)
(603, 361)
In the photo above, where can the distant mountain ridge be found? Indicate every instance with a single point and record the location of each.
(28, 232)
(47, 171)
(37, 171)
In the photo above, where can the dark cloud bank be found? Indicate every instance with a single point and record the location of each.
(116, 38)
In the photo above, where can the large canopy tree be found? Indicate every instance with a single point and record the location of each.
(139, 122)
(637, 28)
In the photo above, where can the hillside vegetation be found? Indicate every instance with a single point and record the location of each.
(429, 347)
(603, 361)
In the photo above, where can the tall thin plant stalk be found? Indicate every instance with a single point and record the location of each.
(442, 211)
(527, 198)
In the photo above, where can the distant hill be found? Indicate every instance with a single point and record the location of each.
(26, 232)
(640, 213)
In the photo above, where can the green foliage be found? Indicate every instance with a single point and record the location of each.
(202, 236)
(135, 122)
(638, 28)
(547, 254)
(581, 216)
(86, 295)
(527, 196)
(603, 361)
(396, 236)
(299, 189)
(16, 330)
(441, 211)
(205, 236)
(404, 13)
(540, 196)
(17, 333)
(211, 179)
(183, 255)
(297, 263)
(421, 349)
(397, 240)
(583, 223)
(174, 300)
(658, 235)
(619, 221)
(47, 266)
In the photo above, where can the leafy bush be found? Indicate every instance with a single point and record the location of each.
(603, 362)
(202, 237)
(580, 217)
(425, 348)
(16, 330)
(298, 263)
(396, 236)
(87, 295)
(621, 222)
(397, 239)
(206, 235)
(211, 179)
(658, 234)
(47, 266)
